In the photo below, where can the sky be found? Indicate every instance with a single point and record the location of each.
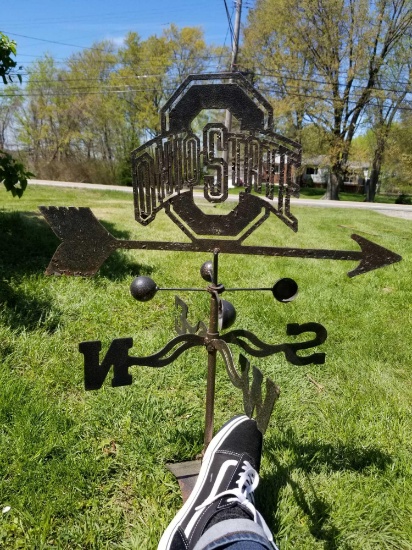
(64, 27)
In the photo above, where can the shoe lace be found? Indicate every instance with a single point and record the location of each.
(242, 494)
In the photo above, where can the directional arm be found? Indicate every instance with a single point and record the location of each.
(87, 244)
(252, 345)
(117, 357)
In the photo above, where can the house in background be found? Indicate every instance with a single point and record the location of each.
(316, 172)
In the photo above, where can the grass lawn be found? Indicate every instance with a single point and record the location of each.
(85, 470)
(315, 193)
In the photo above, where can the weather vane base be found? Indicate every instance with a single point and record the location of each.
(186, 474)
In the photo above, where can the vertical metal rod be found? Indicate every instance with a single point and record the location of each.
(211, 358)
(215, 274)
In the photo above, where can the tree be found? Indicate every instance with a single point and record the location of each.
(279, 69)
(152, 69)
(95, 105)
(82, 120)
(189, 53)
(340, 47)
(7, 63)
(10, 103)
(12, 173)
(398, 157)
(386, 102)
(143, 75)
(72, 122)
(39, 127)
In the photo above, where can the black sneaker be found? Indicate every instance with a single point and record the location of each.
(224, 488)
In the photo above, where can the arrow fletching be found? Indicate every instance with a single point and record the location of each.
(86, 244)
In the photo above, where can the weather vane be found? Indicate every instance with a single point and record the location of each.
(166, 171)
(168, 168)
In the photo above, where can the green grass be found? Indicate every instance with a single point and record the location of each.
(86, 469)
(316, 193)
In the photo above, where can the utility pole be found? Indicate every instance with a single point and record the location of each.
(235, 49)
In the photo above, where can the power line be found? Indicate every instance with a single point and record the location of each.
(116, 75)
(53, 41)
(115, 87)
(167, 91)
(229, 30)
(110, 16)
(317, 78)
(358, 87)
(269, 74)
(229, 19)
(285, 73)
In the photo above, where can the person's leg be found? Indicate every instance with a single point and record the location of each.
(220, 510)
(234, 534)
(245, 545)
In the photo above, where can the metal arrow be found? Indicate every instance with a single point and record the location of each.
(86, 244)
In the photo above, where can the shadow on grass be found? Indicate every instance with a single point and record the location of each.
(23, 309)
(118, 264)
(309, 458)
(27, 245)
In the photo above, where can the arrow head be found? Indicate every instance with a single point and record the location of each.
(374, 256)
(86, 243)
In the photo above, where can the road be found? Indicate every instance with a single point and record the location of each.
(394, 210)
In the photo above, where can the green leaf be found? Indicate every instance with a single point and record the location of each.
(13, 174)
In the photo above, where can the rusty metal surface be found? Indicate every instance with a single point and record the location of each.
(215, 341)
(186, 474)
(117, 356)
(165, 171)
(252, 345)
(167, 168)
(86, 244)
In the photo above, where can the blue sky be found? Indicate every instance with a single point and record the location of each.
(58, 26)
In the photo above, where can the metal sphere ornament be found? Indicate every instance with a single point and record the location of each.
(285, 290)
(206, 271)
(226, 314)
(143, 288)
